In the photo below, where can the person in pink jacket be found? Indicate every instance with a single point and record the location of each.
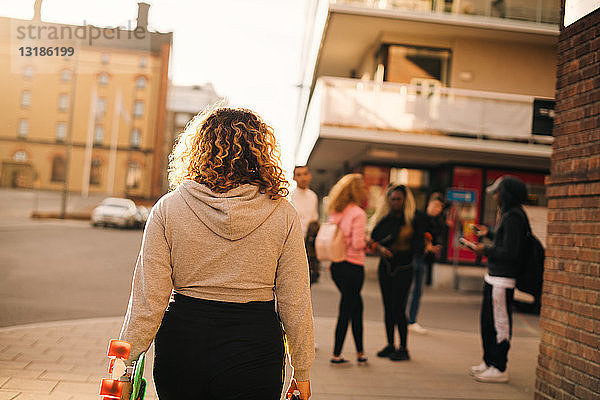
(345, 201)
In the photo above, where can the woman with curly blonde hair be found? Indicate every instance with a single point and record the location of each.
(217, 251)
(346, 200)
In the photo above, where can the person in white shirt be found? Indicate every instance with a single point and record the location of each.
(304, 200)
(306, 203)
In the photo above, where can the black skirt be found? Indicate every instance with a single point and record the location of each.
(217, 350)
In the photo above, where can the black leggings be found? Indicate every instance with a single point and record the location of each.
(395, 287)
(216, 350)
(349, 279)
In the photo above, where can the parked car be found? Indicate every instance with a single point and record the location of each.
(114, 211)
(141, 216)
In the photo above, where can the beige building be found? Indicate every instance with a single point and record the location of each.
(442, 95)
(93, 115)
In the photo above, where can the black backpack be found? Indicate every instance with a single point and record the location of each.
(531, 274)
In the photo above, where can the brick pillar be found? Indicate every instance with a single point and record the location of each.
(569, 359)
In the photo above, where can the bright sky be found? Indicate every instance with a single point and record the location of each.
(249, 49)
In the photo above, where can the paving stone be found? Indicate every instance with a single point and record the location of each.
(20, 373)
(64, 376)
(48, 356)
(51, 396)
(8, 394)
(29, 385)
(48, 366)
(77, 388)
(8, 353)
(17, 339)
(13, 364)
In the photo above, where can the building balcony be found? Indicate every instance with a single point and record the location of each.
(351, 121)
(538, 11)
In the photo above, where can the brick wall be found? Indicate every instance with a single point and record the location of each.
(569, 359)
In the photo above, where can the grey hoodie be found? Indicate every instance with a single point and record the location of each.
(238, 246)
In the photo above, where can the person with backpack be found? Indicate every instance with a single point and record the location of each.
(346, 199)
(505, 262)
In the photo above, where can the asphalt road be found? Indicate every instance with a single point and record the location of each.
(59, 270)
(54, 270)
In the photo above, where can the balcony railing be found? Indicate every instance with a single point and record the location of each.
(540, 11)
(388, 106)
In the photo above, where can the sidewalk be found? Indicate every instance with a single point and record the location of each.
(66, 360)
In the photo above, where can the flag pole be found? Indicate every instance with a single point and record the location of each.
(112, 163)
(85, 186)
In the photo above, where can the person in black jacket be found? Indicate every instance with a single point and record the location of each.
(504, 257)
(396, 237)
(431, 221)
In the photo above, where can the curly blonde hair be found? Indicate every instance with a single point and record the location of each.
(349, 189)
(223, 148)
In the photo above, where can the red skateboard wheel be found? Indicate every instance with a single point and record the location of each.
(119, 349)
(111, 388)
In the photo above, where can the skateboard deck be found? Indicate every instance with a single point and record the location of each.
(110, 389)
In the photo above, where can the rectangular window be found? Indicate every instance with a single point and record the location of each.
(138, 108)
(26, 99)
(410, 64)
(96, 172)
(63, 102)
(101, 107)
(134, 175)
(61, 132)
(135, 140)
(99, 134)
(23, 128)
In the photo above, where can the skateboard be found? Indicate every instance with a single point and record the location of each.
(110, 389)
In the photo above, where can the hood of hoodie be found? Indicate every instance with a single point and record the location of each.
(231, 215)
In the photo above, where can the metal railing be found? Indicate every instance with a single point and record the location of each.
(539, 11)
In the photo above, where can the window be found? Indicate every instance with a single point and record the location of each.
(105, 58)
(405, 63)
(61, 132)
(58, 169)
(100, 107)
(63, 102)
(20, 156)
(143, 62)
(65, 75)
(98, 134)
(26, 99)
(138, 108)
(134, 175)
(28, 72)
(23, 128)
(135, 139)
(103, 79)
(140, 82)
(96, 171)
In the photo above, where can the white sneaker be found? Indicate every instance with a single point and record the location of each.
(416, 328)
(478, 369)
(492, 375)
